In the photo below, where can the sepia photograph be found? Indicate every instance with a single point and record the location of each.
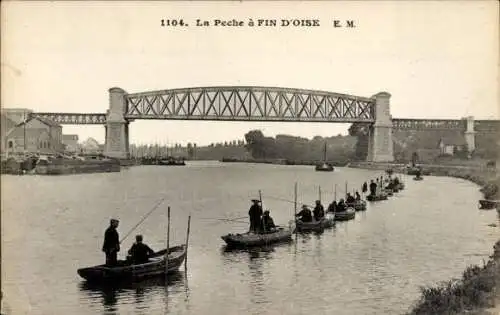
(250, 157)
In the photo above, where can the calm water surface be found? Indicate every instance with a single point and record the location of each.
(372, 265)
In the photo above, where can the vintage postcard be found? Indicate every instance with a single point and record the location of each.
(250, 157)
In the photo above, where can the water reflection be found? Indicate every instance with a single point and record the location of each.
(139, 293)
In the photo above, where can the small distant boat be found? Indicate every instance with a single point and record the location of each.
(324, 167)
(389, 171)
(358, 205)
(488, 204)
(376, 197)
(280, 235)
(326, 222)
(348, 214)
(172, 162)
(125, 272)
(418, 178)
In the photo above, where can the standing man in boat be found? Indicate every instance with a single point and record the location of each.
(373, 188)
(358, 196)
(319, 211)
(255, 213)
(364, 189)
(111, 245)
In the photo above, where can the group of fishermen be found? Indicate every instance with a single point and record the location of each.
(306, 215)
(139, 253)
(260, 221)
(377, 186)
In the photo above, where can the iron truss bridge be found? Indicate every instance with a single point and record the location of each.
(249, 104)
(417, 124)
(75, 118)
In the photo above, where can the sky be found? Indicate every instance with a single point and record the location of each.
(436, 59)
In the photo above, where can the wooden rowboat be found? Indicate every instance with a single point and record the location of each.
(327, 221)
(488, 204)
(358, 205)
(126, 272)
(346, 215)
(280, 235)
(418, 178)
(376, 197)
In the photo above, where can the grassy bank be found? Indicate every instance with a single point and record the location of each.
(478, 290)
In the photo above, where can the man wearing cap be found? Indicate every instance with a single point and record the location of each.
(111, 245)
(255, 213)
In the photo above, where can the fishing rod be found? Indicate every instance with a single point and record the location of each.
(144, 218)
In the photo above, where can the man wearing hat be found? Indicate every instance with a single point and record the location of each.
(255, 213)
(111, 245)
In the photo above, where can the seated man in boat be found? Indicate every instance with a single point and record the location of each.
(358, 196)
(140, 252)
(373, 188)
(350, 198)
(396, 181)
(111, 245)
(341, 206)
(332, 207)
(319, 211)
(305, 215)
(255, 213)
(267, 223)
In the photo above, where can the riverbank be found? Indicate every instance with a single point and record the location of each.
(478, 290)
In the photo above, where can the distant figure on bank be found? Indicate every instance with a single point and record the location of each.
(267, 223)
(358, 196)
(373, 188)
(333, 206)
(319, 211)
(350, 198)
(255, 213)
(305, 215)
(140, 252)
(111, 245)
(364, 189)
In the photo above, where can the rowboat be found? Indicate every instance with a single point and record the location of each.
(346, 215)
(358, 205)
(327, 221)
(125, 271)
(324, 167)
(376, 197)
(250, 239)
(418, 178)
(488, 204)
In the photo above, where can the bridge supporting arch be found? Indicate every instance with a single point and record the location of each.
(380, 145)
(249, 104)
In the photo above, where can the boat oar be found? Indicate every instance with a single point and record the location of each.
(144, 218)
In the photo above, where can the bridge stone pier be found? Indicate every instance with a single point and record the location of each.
(380, 145)
(117, 137)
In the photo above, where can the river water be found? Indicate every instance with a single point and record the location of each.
(371, 265)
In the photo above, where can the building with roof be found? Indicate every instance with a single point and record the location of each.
(34, 135)
(6, 124)
(450, 145)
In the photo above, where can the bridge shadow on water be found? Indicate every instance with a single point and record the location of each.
(139, 292)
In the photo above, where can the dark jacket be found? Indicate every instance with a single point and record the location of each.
(140, 253)
(319, 212)
(305, 215)
(111, 240)
(255, 211)
(266, 224)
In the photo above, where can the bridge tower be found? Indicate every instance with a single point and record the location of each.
(117, 143)
(380, 146)
(470, 134)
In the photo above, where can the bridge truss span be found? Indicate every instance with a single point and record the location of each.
(249, 104)
(423, 124)
(75, 118)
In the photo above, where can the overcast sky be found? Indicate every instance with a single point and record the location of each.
(437, 60)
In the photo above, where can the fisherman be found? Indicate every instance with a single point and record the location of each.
(319, 211)
(266, 223)
(140, 252)
(111, 245)
(305, 215)
(341, 206)
(358, 196)
(373, 188)
(396, 181)
(332, 207)
(255, 213)
(364, 188)
(350, 198)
